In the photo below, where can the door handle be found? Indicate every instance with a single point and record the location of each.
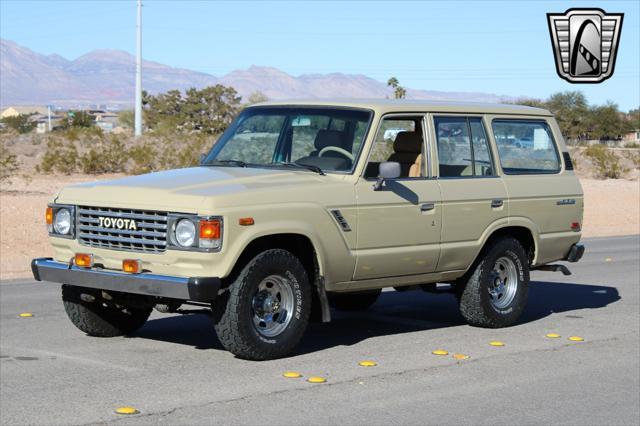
(427, 207)
(497, 203)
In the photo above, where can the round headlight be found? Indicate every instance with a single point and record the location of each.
(185, 233)
(62, 222)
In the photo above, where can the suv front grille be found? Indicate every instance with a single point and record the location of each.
(149, 236)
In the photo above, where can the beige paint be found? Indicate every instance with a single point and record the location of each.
(391, 242)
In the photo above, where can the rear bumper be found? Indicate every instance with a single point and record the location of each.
(575, 253)
(200, 289)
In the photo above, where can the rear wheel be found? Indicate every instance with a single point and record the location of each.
(358, 301)
(265, 311)
(97, 316)
(495, 294)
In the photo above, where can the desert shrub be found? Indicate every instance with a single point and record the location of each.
(61, 156)
(182, 151)
(634, 157)
(142, 158)
(605, 161)
(8, 163)
(107, 155)
(632, 145)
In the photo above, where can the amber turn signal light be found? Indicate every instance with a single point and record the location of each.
(210, 229)
(246, 221)
(83, 260)
(131, 266)
(49, 216)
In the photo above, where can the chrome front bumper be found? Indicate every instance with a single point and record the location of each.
(200, 289)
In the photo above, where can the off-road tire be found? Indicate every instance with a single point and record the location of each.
(358, 301)
(233, 311)
(473, 290)
(98, 320)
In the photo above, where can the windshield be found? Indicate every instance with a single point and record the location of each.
(324, 139)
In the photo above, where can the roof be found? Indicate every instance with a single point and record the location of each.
(13, 111)
(411, 105)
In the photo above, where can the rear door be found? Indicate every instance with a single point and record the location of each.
(473, 195)
(398, 225)
(543, 191)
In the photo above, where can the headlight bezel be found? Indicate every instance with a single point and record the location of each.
(172, 222)
(51, 228)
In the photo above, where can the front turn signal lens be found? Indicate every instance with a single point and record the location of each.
(210, 229)
(83, 260)
(48, 217)
(132, 266)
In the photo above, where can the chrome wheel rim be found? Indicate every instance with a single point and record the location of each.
(272, 305)
(504, 283)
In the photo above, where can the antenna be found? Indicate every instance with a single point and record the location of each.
(138, 110)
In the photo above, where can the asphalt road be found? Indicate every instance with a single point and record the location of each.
(175, 372)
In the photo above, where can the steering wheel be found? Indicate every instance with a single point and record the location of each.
(336, 149)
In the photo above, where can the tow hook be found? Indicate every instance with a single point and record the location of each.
(553, 268)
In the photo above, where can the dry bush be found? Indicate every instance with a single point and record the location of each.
(606, 162)
(90, 152)
(8, 163)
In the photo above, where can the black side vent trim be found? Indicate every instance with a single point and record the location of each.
(568, 164)
(341, 220)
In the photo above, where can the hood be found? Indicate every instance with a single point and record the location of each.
(183, 190)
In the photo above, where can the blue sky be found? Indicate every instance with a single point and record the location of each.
(499, 47)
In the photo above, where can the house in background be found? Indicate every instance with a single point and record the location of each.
(632, 137)
(14, 111)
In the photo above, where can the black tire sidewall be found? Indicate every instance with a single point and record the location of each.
(282, 263)
(511, 249)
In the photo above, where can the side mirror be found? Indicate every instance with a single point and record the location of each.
(388, 170)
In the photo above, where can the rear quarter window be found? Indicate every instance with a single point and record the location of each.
(525, 146)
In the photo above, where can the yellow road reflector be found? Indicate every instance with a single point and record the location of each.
(461, 356)
(496, 343)
(316, 379)
(553, 335)
(292, 374)
(440, 352)
(576, 339)
(26, 315)
(126, 410)
(608, 259)
(367, 363)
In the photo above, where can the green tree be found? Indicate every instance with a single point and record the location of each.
(21, 123)
(209, 110)
(605, 122)
(399, 92)
(77, 119)
(572, 112)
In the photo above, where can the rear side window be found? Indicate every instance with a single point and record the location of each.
(525, 147)
(462, 147)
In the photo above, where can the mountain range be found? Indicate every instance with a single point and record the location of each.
(108, 76)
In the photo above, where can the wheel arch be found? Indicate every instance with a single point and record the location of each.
(521, 232)
(304, 249)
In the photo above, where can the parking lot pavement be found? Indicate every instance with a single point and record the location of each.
(175, 372)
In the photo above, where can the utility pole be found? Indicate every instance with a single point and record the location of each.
(138, 110)
(49, 114)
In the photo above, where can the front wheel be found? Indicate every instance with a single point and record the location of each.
(265, 311)
(495, 294)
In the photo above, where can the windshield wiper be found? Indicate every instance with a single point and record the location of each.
(316, 169)
(237, 163)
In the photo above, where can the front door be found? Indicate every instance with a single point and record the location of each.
(399, 224)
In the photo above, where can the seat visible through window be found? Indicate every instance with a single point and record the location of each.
(408, 152)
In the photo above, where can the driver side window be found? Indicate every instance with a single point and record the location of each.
(398, 139)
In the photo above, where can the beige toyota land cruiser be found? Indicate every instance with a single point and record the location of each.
(303, 206)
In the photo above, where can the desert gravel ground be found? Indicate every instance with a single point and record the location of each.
(612, 207)
(174, 371)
